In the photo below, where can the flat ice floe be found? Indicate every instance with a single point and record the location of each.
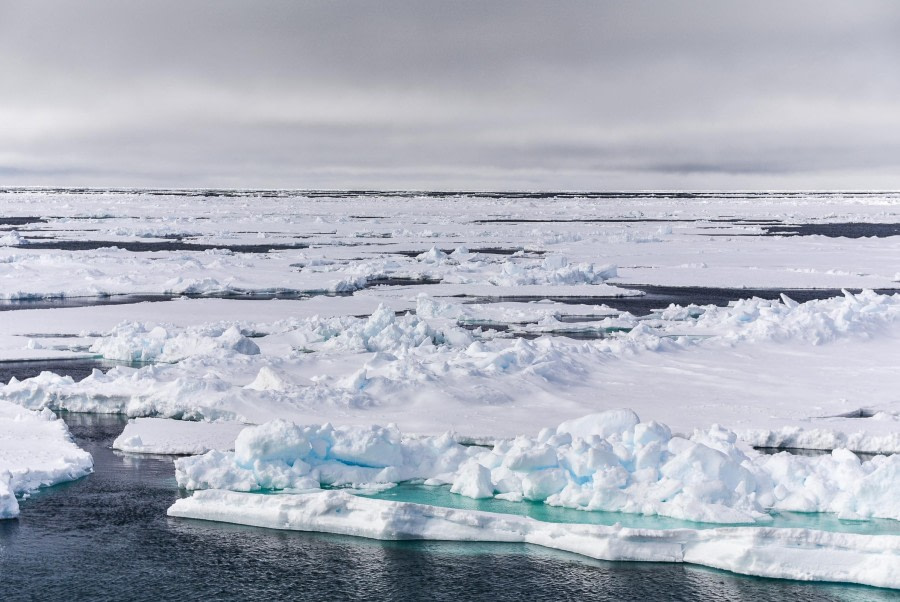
(782, 553)
(470, 240)
(177, 437)
(36, 451)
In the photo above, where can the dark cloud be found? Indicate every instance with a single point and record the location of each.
(451, 94)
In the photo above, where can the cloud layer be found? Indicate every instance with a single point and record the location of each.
(460, 95)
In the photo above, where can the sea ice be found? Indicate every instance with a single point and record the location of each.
(817, 374)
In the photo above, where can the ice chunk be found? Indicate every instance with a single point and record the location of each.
(433, 255)
(281, 454)
(604, 461)
(233, 339)
(267, 380)
(13, 239)
(601, 424)
(474, 481)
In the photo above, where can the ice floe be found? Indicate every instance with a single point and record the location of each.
(179, 437)
(428, 328)
(609, 461)
(36, 451)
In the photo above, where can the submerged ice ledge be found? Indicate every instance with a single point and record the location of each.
(779, 553)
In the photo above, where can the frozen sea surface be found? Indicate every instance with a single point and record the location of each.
(106, 537)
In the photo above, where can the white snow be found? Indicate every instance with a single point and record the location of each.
(35, 451)
(800, 554)
(695, 248)
(12, 239)
(133, 342)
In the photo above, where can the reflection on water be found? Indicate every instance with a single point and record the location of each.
(106, 537)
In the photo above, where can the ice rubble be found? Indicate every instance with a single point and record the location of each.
(609, 461)
(49, 273)
(339, 257)
(553, 270)
(35, 451)
(192, 389)
(864, 314)
(782, 553)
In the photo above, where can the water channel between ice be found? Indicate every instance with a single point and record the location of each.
(106, 536)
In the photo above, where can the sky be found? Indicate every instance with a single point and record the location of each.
(451, 95)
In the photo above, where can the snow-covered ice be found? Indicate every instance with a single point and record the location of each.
(748, 367)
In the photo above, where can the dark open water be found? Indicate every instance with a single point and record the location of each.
(107, 537)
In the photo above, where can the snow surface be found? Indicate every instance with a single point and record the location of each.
(801, 554)
(35, 451)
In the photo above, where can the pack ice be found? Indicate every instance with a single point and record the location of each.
(482, 354)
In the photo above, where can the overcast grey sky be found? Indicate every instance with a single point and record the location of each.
(594, 95)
